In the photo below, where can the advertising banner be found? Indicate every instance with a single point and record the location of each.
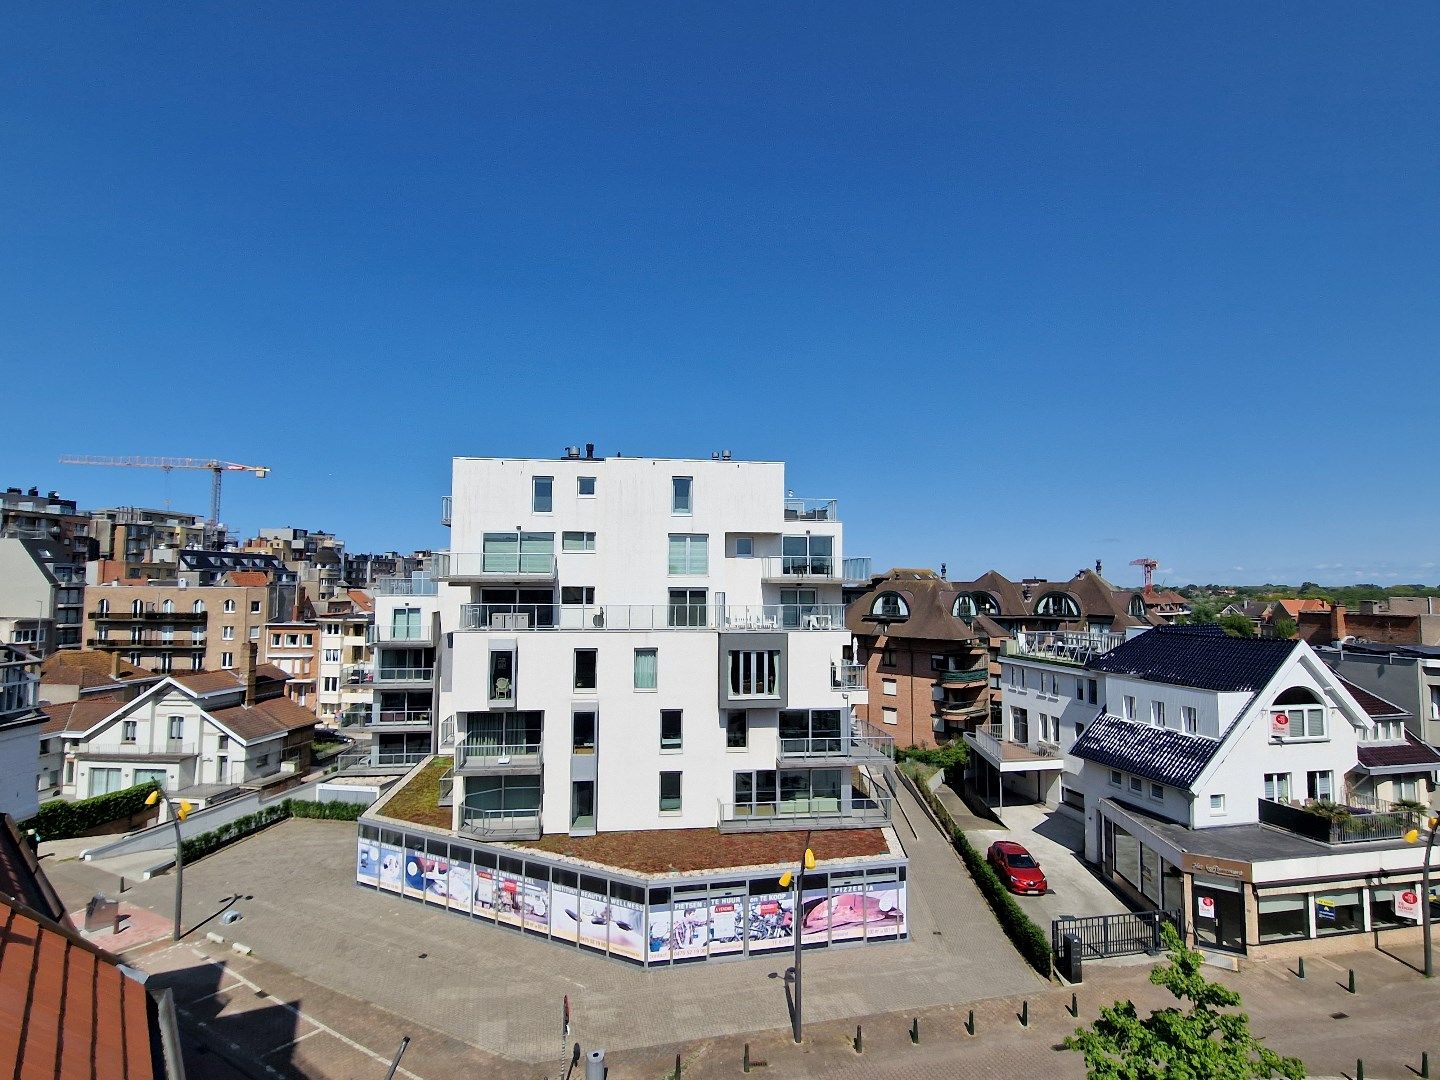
(594, 919)
(1324, 909)
(884, 910)
(690, 930)
(815, 916)
(1407, 904)
(564, 913)
(460, 883)
(772, 921)
(508, 898)
(627, 929)
(659, 933)
(391, 870)
(413, 882)
(727, 923)
(484, 892)
(367, 865)
(535, 904)
(1279, 725)
(1205, 908)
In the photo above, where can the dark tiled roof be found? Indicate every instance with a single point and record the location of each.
(1375, 706)
(1391, 755)
(1159, 754)
(1201, 656)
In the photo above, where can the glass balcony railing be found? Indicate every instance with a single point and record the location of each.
(493, 566)
(651, 617)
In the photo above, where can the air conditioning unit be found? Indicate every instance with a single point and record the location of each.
(510, 620)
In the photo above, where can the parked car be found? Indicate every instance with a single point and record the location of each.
(1017, 868)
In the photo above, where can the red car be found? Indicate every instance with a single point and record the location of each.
(1017, 868)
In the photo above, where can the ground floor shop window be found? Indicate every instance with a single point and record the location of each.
(1219, 918)
(1284, 918)
(1340, 911)
(1387, 903)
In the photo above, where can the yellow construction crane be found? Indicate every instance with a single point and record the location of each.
(217, 470)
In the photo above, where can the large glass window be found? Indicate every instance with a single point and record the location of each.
(582, 737)
(672, 729)
(405, 624)
(807, 555)
(687, 607)
(755, 674)
(737, 729)
(1340, 911)
(584, 669)
(689, 553)
(1284, 918)
(104, 781)
(797, 608)
(517, 552)
(1382, 905)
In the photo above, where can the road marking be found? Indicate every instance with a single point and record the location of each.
(213, 993)
(292, 1042)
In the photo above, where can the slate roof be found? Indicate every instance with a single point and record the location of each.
(1202, 656)
(1159, 754)
(1390, 756)
(1375, 706)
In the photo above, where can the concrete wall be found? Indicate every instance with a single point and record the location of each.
(19, 764)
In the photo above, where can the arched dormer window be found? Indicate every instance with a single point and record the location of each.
(1298, 713)
(168, 606)
(890, 605)
(1137, 606)
(1058, 604)
(968, 605)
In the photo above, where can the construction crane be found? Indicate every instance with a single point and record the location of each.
(217, 470)
(1149, 565)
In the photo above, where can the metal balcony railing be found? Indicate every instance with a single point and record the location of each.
(414, 585)
(385, 758)
(867, 744)
(510, 617)
(502, 824)
(964, 678)
(497, 755)
(780, 814)
(812, 509)
(1072, 646)
(404, 674)
(847, 676)
(493, 566)
(401, 633)
(799, 567)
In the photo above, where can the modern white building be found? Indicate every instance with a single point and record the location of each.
(630, 645)
(1208, 771)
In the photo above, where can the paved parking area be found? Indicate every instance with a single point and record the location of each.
(344, 952)
(1058, 842)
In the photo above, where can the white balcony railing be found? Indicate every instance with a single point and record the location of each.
(1076, 647)
(651, 617)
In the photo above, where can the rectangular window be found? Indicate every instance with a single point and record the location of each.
(1157, 713)
(255, 608)
(227, 659)
(1217, 804)
(1080, 689)
(577, 595)
(332, 656)
(1136, 785)
(744, 547)
(1115, 778)
(1277, 787)
(1189, 719)
(254, 633)
(129, 731)
(737, 729)
(517, 552)
(577, 541)
(687, 607)
(585, 486)
(671, 729)
(227, 633)
(890, 716)
(1129, 707)
(332, 684)
(888, 687)
(1157, 792)
(1307, 723)
(1093, 686)
(887, 657)
(646, 669)
(542, 494)
(582, 733)
(681, 491)
(670, 792)
(689, 553)
(1318, 785)
(584, 669)
(755, 673)
(177, 727)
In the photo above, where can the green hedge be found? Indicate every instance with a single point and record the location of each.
(61, 820)
(1029, 939)
(197, 847)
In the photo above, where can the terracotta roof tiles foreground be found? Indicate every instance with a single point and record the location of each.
(1393, 757)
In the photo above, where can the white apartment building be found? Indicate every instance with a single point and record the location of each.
(632, 645)
(643, 643)
(1198, 762)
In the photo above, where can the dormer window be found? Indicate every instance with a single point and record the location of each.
(1059, 605)
(1137, 606)
(890, 605)
(969, 605)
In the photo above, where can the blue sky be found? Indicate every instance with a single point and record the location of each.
(1022, 286)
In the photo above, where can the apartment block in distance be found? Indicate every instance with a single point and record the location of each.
(643, 650)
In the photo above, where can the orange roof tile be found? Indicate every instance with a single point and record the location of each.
(249, 578)
(86, 668)
(76, 715)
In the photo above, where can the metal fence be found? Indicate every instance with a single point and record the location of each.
(1115, 935)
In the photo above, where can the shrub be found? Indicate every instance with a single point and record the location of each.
(197, 847)
(336, 810)
(61, 820)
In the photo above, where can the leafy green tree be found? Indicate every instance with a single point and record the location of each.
(1204, 610)
(1284, 628)
(1203, 1042)
(1237, 625)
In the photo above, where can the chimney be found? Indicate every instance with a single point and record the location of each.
(115, 665)
(589, 451)
(1337, 623)
(248, 671)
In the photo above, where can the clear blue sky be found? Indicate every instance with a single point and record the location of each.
(1022, 285)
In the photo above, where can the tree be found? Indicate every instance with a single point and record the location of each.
(1199, 1043)
(1284, 628)
(1237, 625)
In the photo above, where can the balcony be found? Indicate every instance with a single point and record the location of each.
(801, 569)
(147, 642)
(401, 676)
(847, 677)
(973, 677)
(864, 812)
(406, 634)
(1068, 647)
(367, 716)
(812, 509)
(478, 567)
(501, 824)
(1354, 825)
(357, 674)
(510, 617)
(1007, 755)
(860, 747)
(416, 585)
(480, 759)
(445, 505)
(186, 617)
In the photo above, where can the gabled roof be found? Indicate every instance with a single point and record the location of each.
(209, 682)
(1160, 754)
(274, 716)
(88, 667)
(76, 717)
(1394, 757)
(249, 578)
(1374, 705)
(363, 600)
(1202, 656)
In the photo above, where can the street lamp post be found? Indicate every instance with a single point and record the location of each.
(807, 862)
(1411, 837)
(177, 815)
